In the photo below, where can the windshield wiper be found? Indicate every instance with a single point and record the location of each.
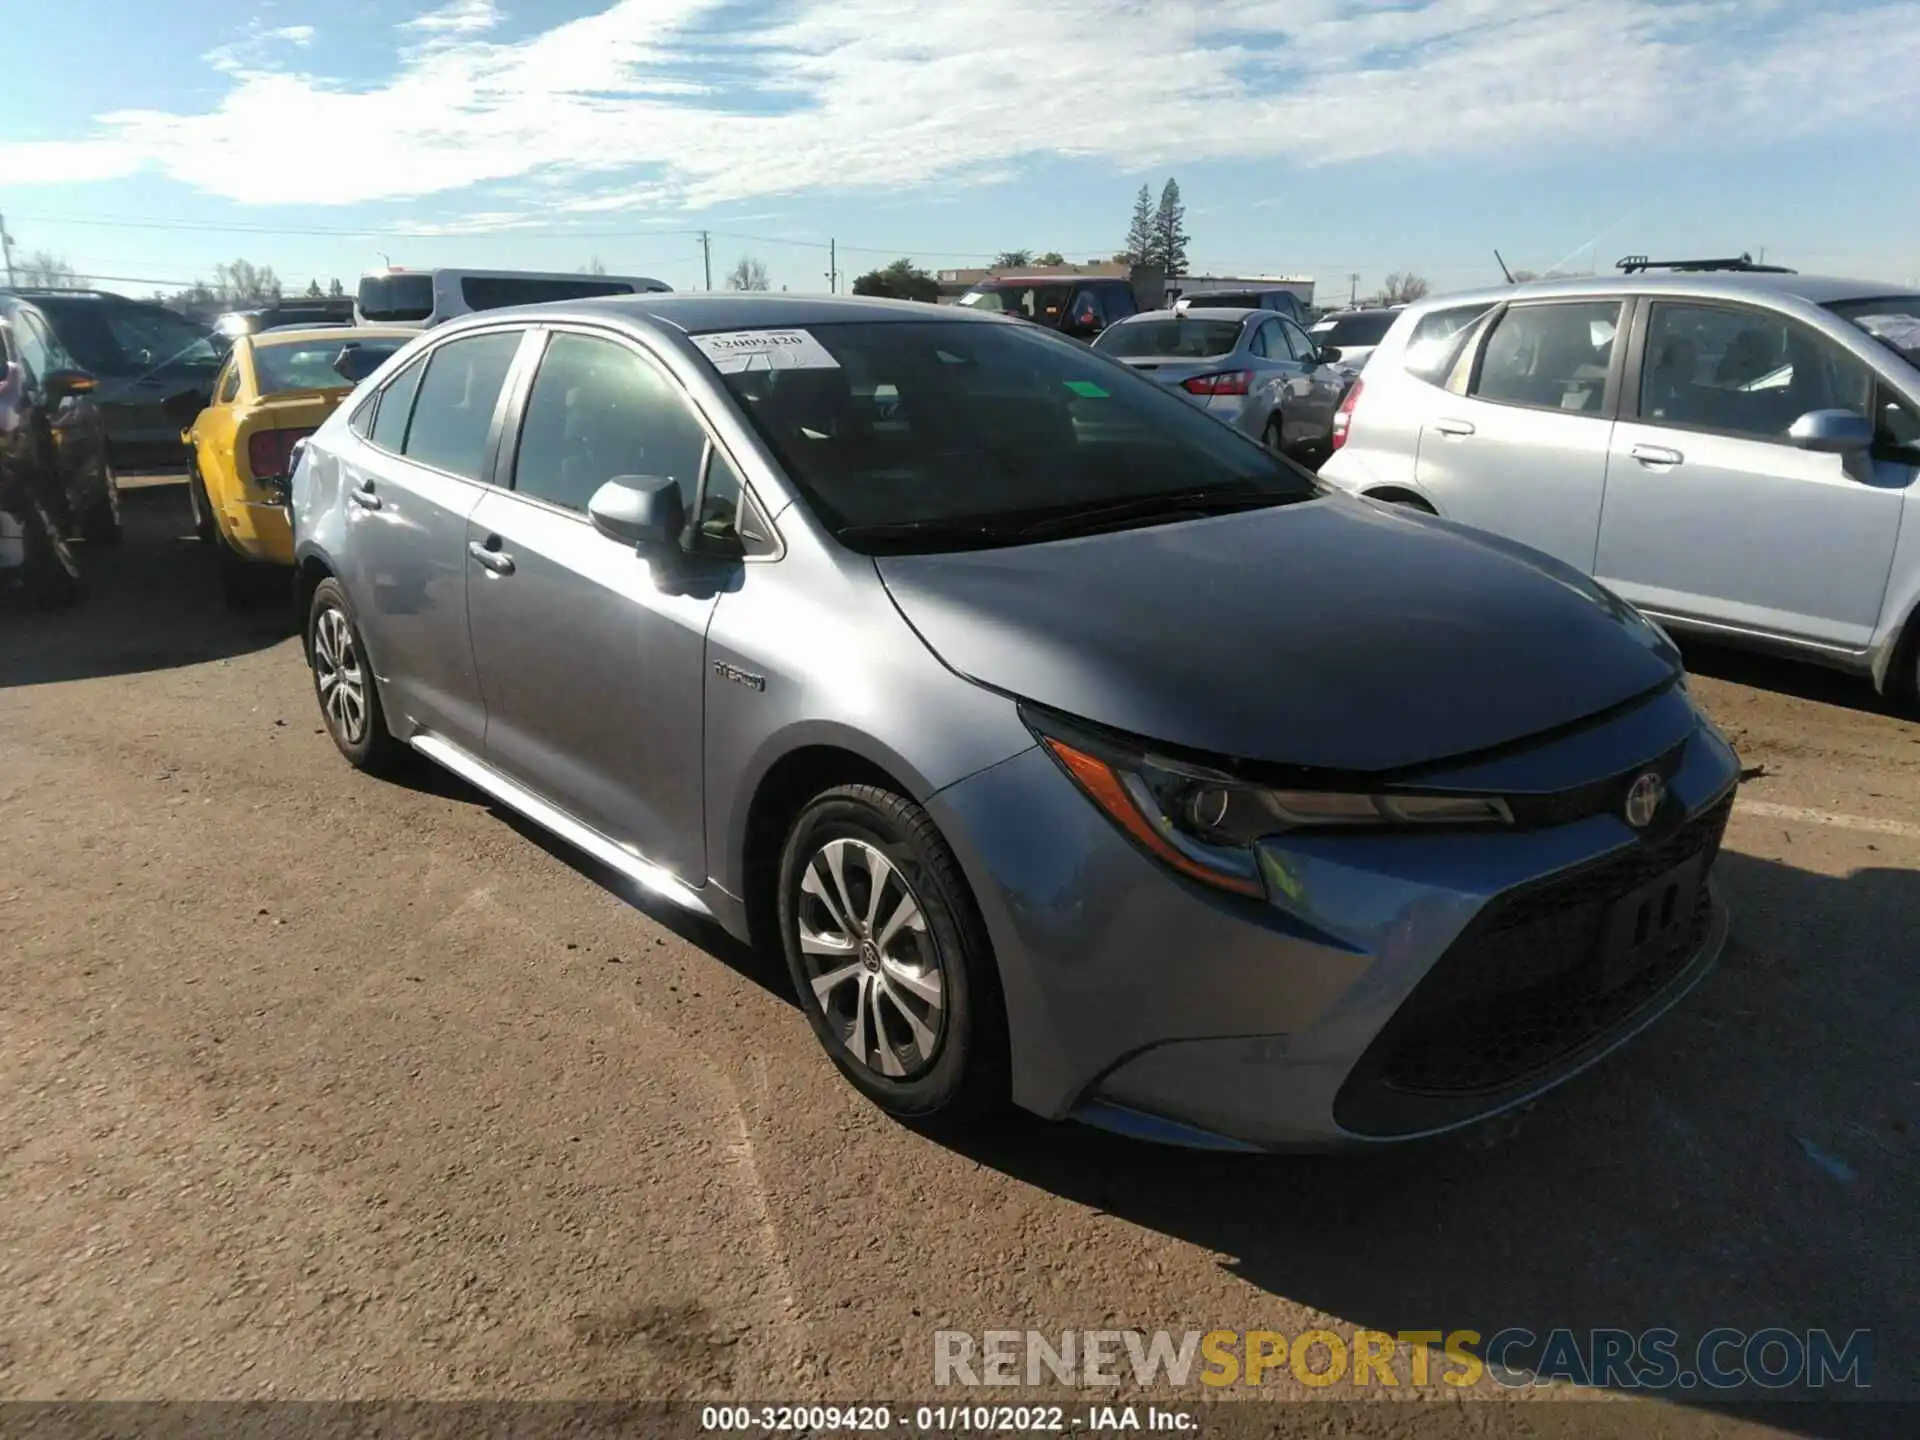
(1175, 503)
(929, 529)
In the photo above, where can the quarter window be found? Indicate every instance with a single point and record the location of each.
(396, 404)
(1550, 357)
(1744, 372)
(228, 387)
(1435, 342)
(453, 414)
(597, 411)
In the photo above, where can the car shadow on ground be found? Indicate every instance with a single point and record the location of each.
(151, 603)
(1749, 1162)
(1798, 678)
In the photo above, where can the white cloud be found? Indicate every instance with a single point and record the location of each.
(897, 94)
(462, 17)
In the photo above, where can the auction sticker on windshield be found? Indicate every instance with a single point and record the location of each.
(733, 351)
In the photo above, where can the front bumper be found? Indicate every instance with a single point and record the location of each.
(1393, 986)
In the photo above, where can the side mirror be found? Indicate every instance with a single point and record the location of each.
(1328, 355)
(644, 511)
(1832, 432)
(65, 384)
(184, 408)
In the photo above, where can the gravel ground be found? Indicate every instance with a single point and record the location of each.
(313, 1085)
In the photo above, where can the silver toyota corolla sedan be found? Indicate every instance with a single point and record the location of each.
(1074, 748)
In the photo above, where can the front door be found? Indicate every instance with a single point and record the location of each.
(1714, 515)
(591, 659)
(1523, 452)
(410, 487)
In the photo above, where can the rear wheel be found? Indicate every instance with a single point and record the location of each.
(889, 957)
(202, 507)
(50, 573)
(343, 682)
(100, 521)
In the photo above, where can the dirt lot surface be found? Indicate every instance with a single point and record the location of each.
(313, 1085)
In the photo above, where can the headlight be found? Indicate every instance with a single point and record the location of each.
(1204, 823)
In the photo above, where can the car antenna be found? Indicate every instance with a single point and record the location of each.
(1503, 269)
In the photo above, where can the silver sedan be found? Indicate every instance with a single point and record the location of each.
(1257, 371)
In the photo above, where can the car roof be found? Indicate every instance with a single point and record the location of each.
(1696, 284)
(293, 334)
(1199, 312)
(738, 310)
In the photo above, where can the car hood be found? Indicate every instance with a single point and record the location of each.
(1332, 634)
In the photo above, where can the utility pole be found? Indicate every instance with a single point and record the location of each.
(833, 267)
(1353, 296)
(6, 249)
(706, 257)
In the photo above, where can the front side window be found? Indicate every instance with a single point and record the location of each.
(453, 414)
(1173, 338)
(1550, 357)
(987, 429)
(599, 410)
(1298, 345)
(1120, 302)
(1743, 372)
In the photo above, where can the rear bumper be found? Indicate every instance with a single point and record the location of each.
(261, 530)
(1391, 987)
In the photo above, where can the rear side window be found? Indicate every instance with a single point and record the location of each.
(1120, 302)
(1436, 340)
(1550, 357)
(597, 411)
(403, 298)
(453, 413)
(396, 404)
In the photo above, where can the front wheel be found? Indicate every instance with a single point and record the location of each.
(343, 682)
(50, 573)
(889, 957)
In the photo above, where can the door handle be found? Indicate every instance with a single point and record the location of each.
(1656, 455)
(494, 560)
(1454, 427)
(363, 496)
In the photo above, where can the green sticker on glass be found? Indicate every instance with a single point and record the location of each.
(1087, 388)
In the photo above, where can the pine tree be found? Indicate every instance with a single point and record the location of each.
(1140, 230)
(1169, 247)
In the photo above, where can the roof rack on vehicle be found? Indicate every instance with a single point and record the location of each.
(1634, 264)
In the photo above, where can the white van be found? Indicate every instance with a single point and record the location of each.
(425, 298)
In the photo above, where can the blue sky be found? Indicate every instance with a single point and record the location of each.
(1321, 137)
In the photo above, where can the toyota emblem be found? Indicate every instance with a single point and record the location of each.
(1644, 798)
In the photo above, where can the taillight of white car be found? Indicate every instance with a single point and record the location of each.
(1343, 417)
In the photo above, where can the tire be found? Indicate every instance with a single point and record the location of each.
(100, 522)
(203, 528)
(335, 656)
(50, 574)
(915, 1021)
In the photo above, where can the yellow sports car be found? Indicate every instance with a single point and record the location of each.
(274, 390)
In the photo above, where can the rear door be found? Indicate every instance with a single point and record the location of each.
(1713, 515)
(409, 490)
(1521, 450)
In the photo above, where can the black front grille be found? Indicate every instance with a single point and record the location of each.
(1521, 992)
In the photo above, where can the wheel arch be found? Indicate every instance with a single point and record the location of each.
(1400, 495)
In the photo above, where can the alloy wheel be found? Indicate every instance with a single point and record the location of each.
(872, 966)
(339, 676)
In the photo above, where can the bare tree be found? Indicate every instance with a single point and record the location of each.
(1403, 288)
(44, 270)
(593, 267)
(748, 274)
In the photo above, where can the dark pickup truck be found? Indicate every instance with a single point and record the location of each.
(1077, 305)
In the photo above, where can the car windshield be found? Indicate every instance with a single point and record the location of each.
(309, 364)
(129, 339)
(1892, 319)
(1033, 302)
(1171, 338)
(1354, 329)
(939, 435)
